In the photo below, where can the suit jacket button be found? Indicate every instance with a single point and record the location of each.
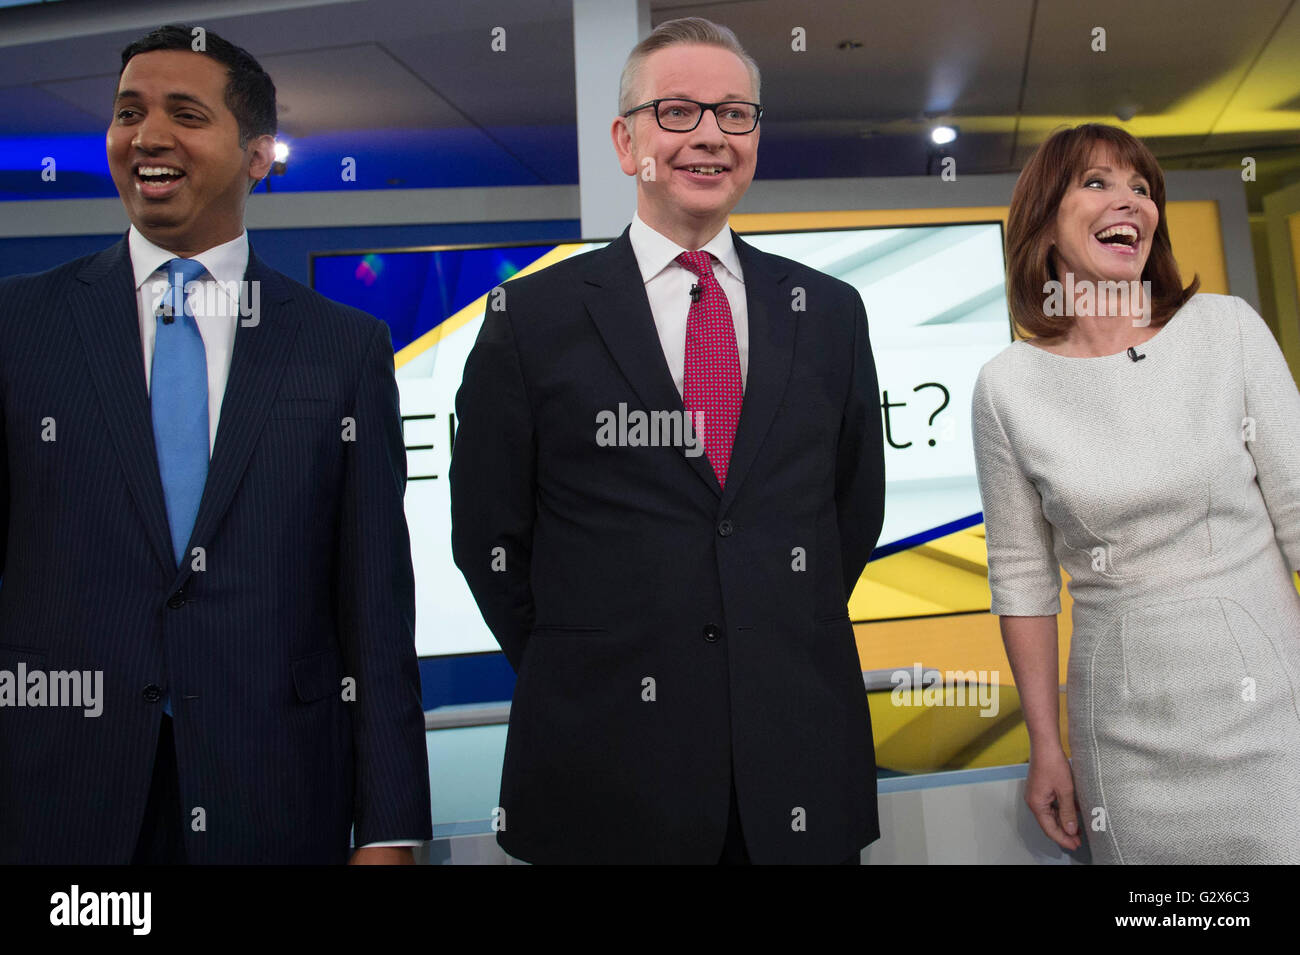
(177, 600)
(712, 633)
(152, 693)
(725, 528)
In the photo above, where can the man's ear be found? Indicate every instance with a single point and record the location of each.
(624, 146)
(261, 155)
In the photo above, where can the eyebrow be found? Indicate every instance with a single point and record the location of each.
(1109, 169)
(171, 98)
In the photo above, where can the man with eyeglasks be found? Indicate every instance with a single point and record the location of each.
(668, 476)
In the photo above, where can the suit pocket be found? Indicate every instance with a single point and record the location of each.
(317, 675)
(800, 390)
(806, 424)
(289, 409)
(21, 651)
(1183, 652)
(573, 657)
(11, 656)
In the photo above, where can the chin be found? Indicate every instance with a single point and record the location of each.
(701, 206)
(157, 223)
(1107, 272)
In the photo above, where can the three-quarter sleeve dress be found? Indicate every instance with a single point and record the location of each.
(1169, 490)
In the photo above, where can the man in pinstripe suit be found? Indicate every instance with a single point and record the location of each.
(230, 554)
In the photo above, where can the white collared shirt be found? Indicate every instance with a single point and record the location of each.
(215, 312)
(668, 286)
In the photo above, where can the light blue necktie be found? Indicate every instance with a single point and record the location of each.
(178, 392)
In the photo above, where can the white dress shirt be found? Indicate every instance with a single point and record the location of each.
(216, 312)
(668, 286)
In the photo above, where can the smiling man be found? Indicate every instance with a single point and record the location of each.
(201, 498)
(688, 685)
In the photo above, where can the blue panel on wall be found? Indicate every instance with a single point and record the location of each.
(379, 159)
(474, 678)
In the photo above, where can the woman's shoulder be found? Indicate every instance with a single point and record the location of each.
(1208, 319)
(1213, 309)
(1006, 363)
(1002, 375)
(1213, 300)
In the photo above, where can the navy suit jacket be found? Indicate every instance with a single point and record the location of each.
(304, 581)
(667, 632)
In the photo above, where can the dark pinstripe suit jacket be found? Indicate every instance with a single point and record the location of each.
(306, 580)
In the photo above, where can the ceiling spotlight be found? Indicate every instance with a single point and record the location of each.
(279, 164)
(943, 135)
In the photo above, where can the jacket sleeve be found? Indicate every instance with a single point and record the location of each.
(494, 484)
(860, 459)
(1272, 428)
(376, 612)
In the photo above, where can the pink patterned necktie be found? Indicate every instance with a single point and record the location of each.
(711, 383)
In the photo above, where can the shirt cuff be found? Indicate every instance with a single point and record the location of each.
(393, 842)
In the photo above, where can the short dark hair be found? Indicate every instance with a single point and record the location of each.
(250, 94)
(1054, 166)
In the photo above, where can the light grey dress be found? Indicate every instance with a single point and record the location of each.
(1169, 489)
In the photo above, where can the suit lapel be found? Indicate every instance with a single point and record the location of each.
(617, 302)
(771, 350)
(103, 305)
(256, 367)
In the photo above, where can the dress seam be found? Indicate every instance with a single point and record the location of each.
(1096, 749)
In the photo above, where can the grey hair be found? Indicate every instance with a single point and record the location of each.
(687, 30)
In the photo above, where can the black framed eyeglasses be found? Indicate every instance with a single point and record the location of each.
(682, 115)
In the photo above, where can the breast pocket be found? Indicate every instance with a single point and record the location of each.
(300, 451)
(13, 654)
(807, 422)
(800, 391)
(300, 409)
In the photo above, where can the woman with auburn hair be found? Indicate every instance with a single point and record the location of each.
(1147, 439)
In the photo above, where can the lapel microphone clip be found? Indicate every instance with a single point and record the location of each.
(1132, 353)
(696, 292)
(165, 313)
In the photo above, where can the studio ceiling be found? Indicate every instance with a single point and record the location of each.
(414, 86)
